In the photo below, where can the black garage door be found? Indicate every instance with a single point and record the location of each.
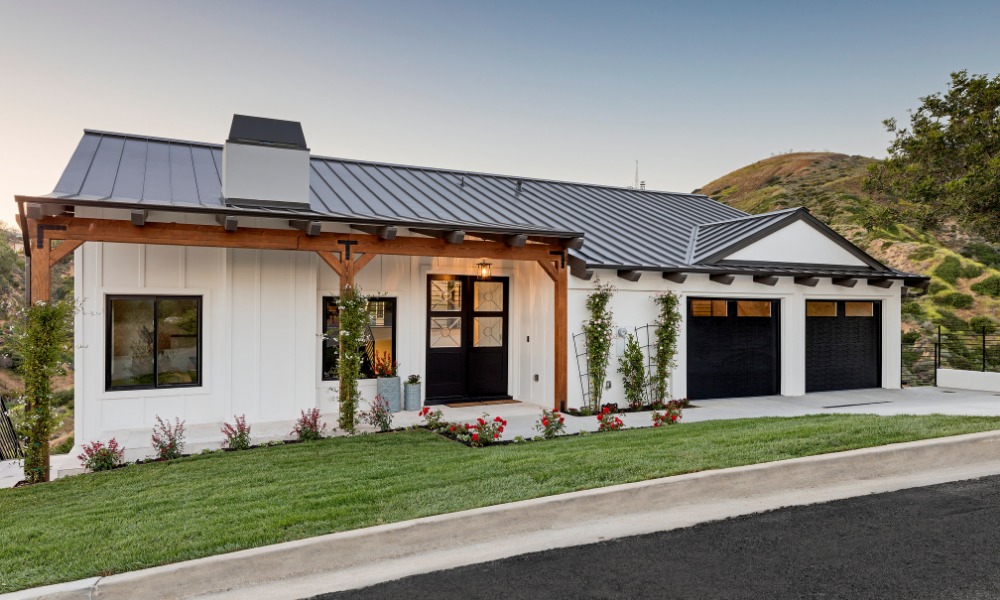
(843, 345)
(732, 348)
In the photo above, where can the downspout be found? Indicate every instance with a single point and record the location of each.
(23, 222)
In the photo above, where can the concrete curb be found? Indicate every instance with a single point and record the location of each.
(365, 556)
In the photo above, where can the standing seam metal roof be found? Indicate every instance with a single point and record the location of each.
(622, 227)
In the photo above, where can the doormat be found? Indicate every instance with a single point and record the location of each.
(483, 403)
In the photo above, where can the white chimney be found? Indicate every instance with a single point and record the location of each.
(265, 162)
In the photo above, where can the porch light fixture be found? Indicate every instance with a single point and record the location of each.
(484, 270)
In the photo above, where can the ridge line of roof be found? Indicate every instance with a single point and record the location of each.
(102, 132)
(756, 216)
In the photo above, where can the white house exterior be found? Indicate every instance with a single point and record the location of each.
(774, 303)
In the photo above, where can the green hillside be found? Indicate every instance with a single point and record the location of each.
(965, 271)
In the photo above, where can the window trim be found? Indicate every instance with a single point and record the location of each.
(108, 359)
(322, 323)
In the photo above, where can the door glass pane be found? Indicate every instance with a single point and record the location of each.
(859, 309)
(446, 332)
(708, 308)
(821, 309)
(177, 343)
(446, 295)
(132, 342)
(487, 332)
(489, 296)
(753, 308)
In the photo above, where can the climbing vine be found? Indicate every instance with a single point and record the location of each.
(39, 338)
(352, 306)
(667, 328)
(598, 332)
(632, 367)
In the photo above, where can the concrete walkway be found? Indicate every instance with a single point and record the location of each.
(11, 471)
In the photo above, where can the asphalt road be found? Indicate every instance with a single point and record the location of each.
(940, 542)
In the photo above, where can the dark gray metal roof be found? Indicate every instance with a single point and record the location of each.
(623, 228)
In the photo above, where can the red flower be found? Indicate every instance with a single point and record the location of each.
(501, 429)
(481, 421)
(561, 419)
(496, 436)
(497, 419)
(673, 417)
(475, 437)
(452, 428)
(545, 422)
(468, 426)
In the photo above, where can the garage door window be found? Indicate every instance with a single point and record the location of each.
(708, 308)
(821, 309)
(859, 309)
(753, 308)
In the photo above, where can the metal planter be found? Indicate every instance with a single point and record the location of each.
(411, 396)
(389, 389)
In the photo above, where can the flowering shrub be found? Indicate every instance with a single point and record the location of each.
(384, 365)
(168, 440)
(352, 306)
(484, 432)
(309, 427)
(433, 420)
(598, 332)
(667, 328)
(609, 421)
(551, 424)
(238, 437)
(670, 414)
(98, 457)
(379, 416)
(632, 366)
(413, 380)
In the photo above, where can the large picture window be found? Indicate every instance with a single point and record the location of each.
(380, 336)
(153, 342)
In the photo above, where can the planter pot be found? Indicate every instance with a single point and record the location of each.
(411, 396)
(388, 388)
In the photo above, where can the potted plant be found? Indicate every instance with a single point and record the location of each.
(387, 380)
(411, 393)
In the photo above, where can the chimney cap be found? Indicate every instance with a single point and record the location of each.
(267, 132)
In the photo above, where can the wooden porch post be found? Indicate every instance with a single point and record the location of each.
(41, 268)
(561, 362)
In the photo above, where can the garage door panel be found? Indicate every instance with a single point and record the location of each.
(733, 353)
(843, 350)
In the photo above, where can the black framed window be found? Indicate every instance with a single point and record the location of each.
(153, 342)
(380, 335)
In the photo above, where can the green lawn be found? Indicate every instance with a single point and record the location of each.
(160, 513)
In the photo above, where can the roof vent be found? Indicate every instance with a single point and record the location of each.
(265, 162)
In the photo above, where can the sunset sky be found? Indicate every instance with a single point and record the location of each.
(563, 90)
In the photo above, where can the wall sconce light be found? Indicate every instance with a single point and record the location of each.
(484, 270)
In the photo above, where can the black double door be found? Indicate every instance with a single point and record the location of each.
(467, 324)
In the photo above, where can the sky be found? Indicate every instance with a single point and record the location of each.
(574, 91)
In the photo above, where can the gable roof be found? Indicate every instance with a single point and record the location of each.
(623, 228)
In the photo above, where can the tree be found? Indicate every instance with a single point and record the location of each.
(947, 163)
(40, 337)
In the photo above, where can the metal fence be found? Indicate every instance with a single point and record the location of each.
(960, 349)
(9, 445)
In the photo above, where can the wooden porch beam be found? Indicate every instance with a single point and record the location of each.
(62, 251)
(550, 269)
(454, 236)
(361, 262)
(561, 335)
(41, 265)
(182, 234)
(383, 232)
(36, 211)
(578, 268)
(335, 263)
(229, 222)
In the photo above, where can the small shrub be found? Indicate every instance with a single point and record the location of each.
(609, 421)
(984, 253)
(952, 269)
(551, 424)
(62, 398)
(670, 415)
(64, 446)
(632, 366)
(913, 310)
(379, 416)
(384, 365)
(980, 323)
(485, 432)
(413, 380)
(98, 457)
(237, 436)
(988, 287)
(954, 299)
(168, 440)
(937, 286)
(433, 420)
(921, 253)
(309, 428)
